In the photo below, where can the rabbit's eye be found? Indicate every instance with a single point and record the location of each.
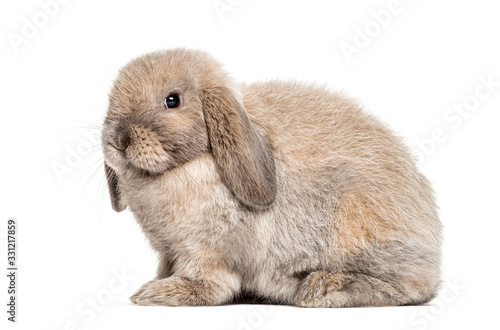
(172, 101)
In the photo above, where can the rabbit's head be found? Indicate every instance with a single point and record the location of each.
(167, 108)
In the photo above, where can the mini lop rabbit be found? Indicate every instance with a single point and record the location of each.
(282, 190)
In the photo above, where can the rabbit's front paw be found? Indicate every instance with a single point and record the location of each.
(176, 291)
(136, 295)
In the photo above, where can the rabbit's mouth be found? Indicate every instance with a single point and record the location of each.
(141, 151)
(147, 159)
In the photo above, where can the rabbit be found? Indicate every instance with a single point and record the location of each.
(282, 190)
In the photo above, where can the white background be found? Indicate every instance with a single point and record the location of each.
(429, 57)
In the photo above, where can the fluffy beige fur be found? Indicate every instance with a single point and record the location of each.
(283, 190)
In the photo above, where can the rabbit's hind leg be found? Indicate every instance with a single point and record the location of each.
(323, 289)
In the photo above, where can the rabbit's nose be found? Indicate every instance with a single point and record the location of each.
(122, 138)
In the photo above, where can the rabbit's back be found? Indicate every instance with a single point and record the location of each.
(315, 124)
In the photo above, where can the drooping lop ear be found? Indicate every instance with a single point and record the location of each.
(114, 190)
(244, 157)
